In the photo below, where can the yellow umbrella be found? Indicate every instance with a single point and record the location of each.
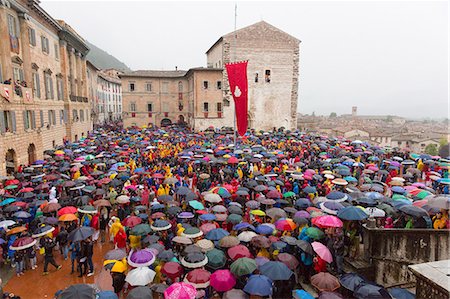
(112, 176)
(257, 213)
(59, 152)
(226, 156)
(119, 266)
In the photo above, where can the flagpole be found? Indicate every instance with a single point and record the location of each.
(234, 54)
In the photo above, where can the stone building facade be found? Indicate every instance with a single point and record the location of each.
(272, 71)
(109, 95)
(43, 84)
(200, 97)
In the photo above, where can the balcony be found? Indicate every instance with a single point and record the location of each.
(13, 95)
(75, 98)
(14, 44)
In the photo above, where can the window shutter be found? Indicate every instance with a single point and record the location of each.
(41, 114)
(13, 121)
(2, 122)
(33, 120)
(25, 123)
(38, 86)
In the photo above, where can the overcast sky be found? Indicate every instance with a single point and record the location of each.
(384, 57)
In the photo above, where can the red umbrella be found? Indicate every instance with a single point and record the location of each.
(238, 251)
(51, 177)
(102, 203)
(22, 243)
(158, 215)
(157, 176)
(131, 221)
(12, 182)
(289, 260)
(274, 194)
(324, 281)
(28, 189)
(172, 270)
(20, 204)
(199, 278)
(205, 228)
(233, 160)
(67, 210)
(105, 181)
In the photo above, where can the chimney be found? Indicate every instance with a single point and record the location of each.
(176, 68)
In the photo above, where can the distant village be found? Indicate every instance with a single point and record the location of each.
(383, 130)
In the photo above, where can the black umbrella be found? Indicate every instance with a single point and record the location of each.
(371, 291)
(78, 291)
(183, 190)
(174, 210)
(81, 233)
(166, 255)
(115, 254)
(413, 211)
(351, 281)
(305, 246)
(140, 292)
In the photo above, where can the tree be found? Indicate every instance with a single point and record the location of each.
(333, 114)
(431, 149)
(444, 150)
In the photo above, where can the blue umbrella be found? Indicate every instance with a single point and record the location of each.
(157, 206)
(264, 229)
(351, 280)
(399, 293)
(373, 195)
(276, 271)
(370, 291)
(350, 179)
(331, 207)
(107, 295)
(207, 217)
(243, 225)
(337, 195)
(310, 189)
(278, 245)
(216, 234)
(398, 203)
(302, 203)
(371, 202)
(398, 189)
(259, 285)
(352, 213)
(7, 201)
(302, 294)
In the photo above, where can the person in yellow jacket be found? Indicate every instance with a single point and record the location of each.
(115, 227)
(161, 191)
(240, 173)
(76, 175)
(440, 220)
(135, 242)
(180, 229)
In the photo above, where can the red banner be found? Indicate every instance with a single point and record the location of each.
(237, 78)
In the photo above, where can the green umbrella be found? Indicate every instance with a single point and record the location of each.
(9, 187)
(243, 266)
(216, 258)
(314, 233)
(89, 157)
(234, 218)
(423, 194)
(141, 230)
(289, 194)
(389, 210)
(399, 197)
(196, 205)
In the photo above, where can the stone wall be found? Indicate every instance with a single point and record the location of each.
(391, 251)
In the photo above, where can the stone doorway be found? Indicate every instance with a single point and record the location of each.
(31, 154)
(11, 161)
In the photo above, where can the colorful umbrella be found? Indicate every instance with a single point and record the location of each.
(285, 224)
(180, 290)
(22, 243)
(141, 258)
(140, 276)
(199, 278)
(322, 251)
(243, 266)
(324, 281)
(222, 280)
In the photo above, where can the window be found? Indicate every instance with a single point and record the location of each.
(36, 85)
(149, 107)
(219, 107)
(13, 26)
(131, 86)
(56, 51)
(219, 85)
(180, 86)
(205, 84)
(7, 121)
(59, 88)
(29, 120)
(226, 103)
(165, 87)
(75, 115)
(81, 115)
(17, 73)
(32, 36)
(133, 107)
(267, 76)
(165, 107)
(256, 78)
(148, 87)
(45, 45)
(61, 117)
(48, 86)
(1, 74)
(41, 116)
(205, 107)
(51, 117)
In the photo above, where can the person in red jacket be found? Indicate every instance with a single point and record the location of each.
(95, 225)
(319, 265)
(120, 240)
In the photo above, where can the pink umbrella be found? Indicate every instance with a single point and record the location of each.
(327, 221)
(180, 290)
(205, 228)
(420, 203)
(222, 280)
(322, 251)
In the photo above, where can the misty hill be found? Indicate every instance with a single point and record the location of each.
(103, 60)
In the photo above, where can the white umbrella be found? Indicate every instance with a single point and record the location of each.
(213, 198)
(123, 199)
(6, 223)
(375, 212)
(140, 276)
(246, 236)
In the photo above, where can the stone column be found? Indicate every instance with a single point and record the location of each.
(5, 51)
(78, 73)
(25, 49)
(71, 55)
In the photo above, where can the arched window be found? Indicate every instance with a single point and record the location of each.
(180, 86)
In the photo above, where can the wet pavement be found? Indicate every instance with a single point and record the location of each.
(34, 285)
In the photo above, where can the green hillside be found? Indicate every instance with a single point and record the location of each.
(103, 60)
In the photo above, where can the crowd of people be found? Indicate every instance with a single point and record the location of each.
(191, 215)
